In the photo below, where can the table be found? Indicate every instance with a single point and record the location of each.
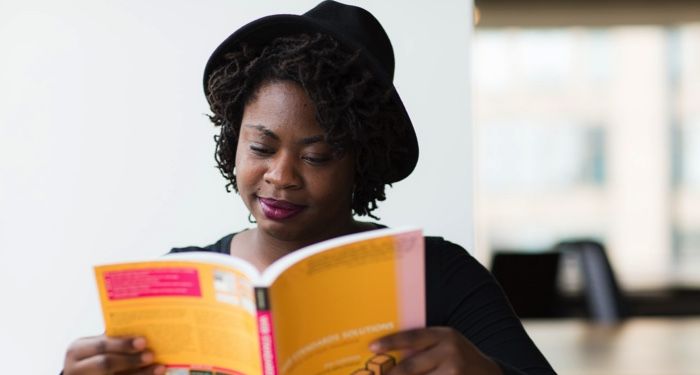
(639, 346)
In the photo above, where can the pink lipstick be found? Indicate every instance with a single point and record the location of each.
(278, 209)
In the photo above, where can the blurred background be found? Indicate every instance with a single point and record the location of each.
(587, 125)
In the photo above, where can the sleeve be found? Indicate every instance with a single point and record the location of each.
(467, 298)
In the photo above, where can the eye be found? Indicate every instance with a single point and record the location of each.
(261, 150)
(317, 159)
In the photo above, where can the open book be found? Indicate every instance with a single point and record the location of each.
(312, 312)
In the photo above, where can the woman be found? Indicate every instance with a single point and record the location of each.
(312, 130)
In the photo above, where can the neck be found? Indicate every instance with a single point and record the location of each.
(271, 248)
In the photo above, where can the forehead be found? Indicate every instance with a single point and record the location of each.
(282, 107)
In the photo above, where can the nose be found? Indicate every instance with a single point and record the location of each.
(282, 172)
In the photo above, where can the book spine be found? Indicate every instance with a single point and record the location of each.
(265, 332)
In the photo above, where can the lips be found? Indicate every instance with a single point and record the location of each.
(279, 209)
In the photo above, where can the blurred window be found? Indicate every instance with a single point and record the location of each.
(592, 132)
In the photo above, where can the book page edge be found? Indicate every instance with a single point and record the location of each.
(280, 265)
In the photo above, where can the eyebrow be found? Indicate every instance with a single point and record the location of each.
(269, 133)
(313, 139)
(266, 132)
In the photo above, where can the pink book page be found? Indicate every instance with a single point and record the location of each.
(410, 273)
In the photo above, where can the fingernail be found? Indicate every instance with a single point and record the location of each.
(139, 343)
(375, 346)
(159, 370)
(147, 357)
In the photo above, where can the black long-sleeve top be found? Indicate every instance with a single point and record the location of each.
(462, 294)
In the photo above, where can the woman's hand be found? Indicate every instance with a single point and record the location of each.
(435, 351)
(102, 355)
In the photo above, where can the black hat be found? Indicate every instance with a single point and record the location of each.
(353, 27)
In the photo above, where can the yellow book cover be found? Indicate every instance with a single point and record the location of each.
(312, 312)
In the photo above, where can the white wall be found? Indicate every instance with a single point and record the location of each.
(106, 155)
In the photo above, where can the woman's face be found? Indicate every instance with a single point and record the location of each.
(290, 179)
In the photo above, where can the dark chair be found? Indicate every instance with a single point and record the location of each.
(605, 301)
(531, 282)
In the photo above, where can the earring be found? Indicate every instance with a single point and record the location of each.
(251, 219)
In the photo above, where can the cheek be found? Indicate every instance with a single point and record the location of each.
(336, 185)
(248, 172)
(346, 173)
(239, 154)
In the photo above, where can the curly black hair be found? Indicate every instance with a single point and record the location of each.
(352, 106)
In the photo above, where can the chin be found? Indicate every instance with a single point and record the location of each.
(303, 234)
(282, 231)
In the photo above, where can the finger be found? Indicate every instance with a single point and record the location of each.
(91, 346)
(414, 339)
(110, 363)
(418, 364)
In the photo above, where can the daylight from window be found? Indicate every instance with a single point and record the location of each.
(591, 133)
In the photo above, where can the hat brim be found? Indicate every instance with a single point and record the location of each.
(264, 30)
